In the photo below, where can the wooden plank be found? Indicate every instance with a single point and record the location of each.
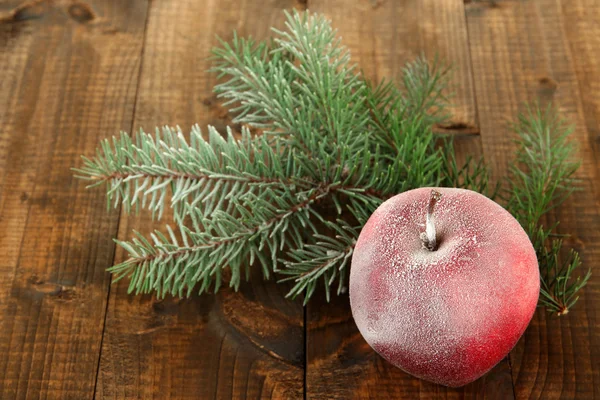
(521, 53)
(69, 73)
(580, 22)
(231, 345)
(382, 37)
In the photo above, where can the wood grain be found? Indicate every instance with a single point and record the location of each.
(75, 71)
(580, 23)
(248, 344)
(68, 73)
(382, 37)
(521, 54)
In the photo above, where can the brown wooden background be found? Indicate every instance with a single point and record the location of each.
(75, 71)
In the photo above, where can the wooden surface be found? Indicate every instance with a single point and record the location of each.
(73, 72)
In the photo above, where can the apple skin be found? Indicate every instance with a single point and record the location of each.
(446, 316)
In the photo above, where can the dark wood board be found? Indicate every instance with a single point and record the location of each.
(248, 344)
(75, 71)
(580, 23)
(521, 54)
(68, 74)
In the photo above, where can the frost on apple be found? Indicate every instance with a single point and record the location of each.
(447, 315)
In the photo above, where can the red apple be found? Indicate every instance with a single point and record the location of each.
(450, 312)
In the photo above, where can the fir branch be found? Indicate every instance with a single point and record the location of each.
(325, 260)
(420, 98)
(425, 89)
(329, 139)
(559, 287)
(300, 85)
(302, 91)
(324, 76)
(473, 174)
(541, 179)
(219, 242)
(140, 171)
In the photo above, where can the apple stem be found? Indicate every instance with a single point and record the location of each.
(429, 236)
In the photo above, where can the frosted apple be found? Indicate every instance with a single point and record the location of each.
(443, 285)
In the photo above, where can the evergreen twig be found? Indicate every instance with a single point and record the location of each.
(541, 179)
(330, 140)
